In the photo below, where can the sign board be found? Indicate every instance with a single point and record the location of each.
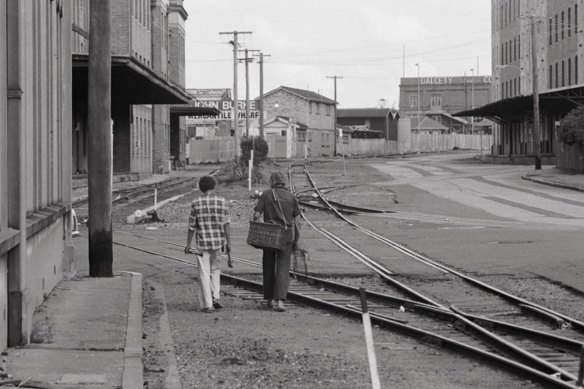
(226, 108)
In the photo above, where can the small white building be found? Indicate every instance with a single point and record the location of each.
(281, 134)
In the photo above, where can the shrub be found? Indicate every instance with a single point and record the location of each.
(260, 147)
(571, 128)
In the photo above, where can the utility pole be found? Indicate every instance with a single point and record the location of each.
(247, 61)
(472, 101)
(261, 62)
(235, 97)
(335, 78)
(419, 107)
(99, 141)
(535, 133)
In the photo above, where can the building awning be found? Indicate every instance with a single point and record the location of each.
(556, 101)
(132, 82)
(189, 110)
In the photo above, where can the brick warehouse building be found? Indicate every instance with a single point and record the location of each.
(441, 97)
(35, 159)
(315, 111)
(147, 74)
(559, 53)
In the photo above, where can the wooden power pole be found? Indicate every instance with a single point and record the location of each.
(247, 60)
(535, 133)
(335, 78)
(261, 107)
(99, 141)
(235, 97)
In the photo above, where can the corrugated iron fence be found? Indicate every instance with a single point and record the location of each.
(221, 149)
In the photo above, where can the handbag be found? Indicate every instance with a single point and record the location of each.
(263, 235)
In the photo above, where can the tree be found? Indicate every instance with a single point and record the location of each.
(260, 147)
(571, 128)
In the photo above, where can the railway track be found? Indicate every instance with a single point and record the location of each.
(128, 196)
(485, 310)
(468, 317)
(536, 354)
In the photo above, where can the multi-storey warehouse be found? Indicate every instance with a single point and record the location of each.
(148, 73)
(35, 158)
(547, 33)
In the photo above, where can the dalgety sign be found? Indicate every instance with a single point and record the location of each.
(454, 80)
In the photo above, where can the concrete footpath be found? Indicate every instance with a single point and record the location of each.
(88, 333)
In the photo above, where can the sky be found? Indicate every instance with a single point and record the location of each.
(362, 41)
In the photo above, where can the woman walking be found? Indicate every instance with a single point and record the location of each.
(278, 206)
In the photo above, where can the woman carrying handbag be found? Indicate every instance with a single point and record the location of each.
(281, 207)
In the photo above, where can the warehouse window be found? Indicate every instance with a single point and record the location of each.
(301, 136)
(414, 101)
(569, 21)
(435, 102)
(563, 25)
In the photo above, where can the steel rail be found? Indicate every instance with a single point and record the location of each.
(550, 371)
(129, 193)
(371, 233)
(518, 300)
(399, 324)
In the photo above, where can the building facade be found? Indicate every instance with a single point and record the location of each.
(422, 96)
(35, 159)
(147, 40)
(314, 111)
(556, 26)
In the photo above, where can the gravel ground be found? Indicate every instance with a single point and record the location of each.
(248, 346)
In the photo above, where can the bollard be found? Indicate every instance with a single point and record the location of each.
(156, 199)
(375, 383)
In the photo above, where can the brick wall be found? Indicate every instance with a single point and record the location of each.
(176, 54)
(291, 105)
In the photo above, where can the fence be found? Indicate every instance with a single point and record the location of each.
(218, 149)
(221, 149)
(570, 158)
(444, 142)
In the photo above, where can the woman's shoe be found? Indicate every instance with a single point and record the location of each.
(280, 306)
(217, 304)
(270, 303)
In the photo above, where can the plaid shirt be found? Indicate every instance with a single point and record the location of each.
(209, 214)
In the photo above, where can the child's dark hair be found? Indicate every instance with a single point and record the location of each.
(206, 183)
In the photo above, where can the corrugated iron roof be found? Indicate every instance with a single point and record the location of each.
(365, 113)
(430, 124)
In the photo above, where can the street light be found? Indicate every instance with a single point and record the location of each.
(419, 106)
(472, 102)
